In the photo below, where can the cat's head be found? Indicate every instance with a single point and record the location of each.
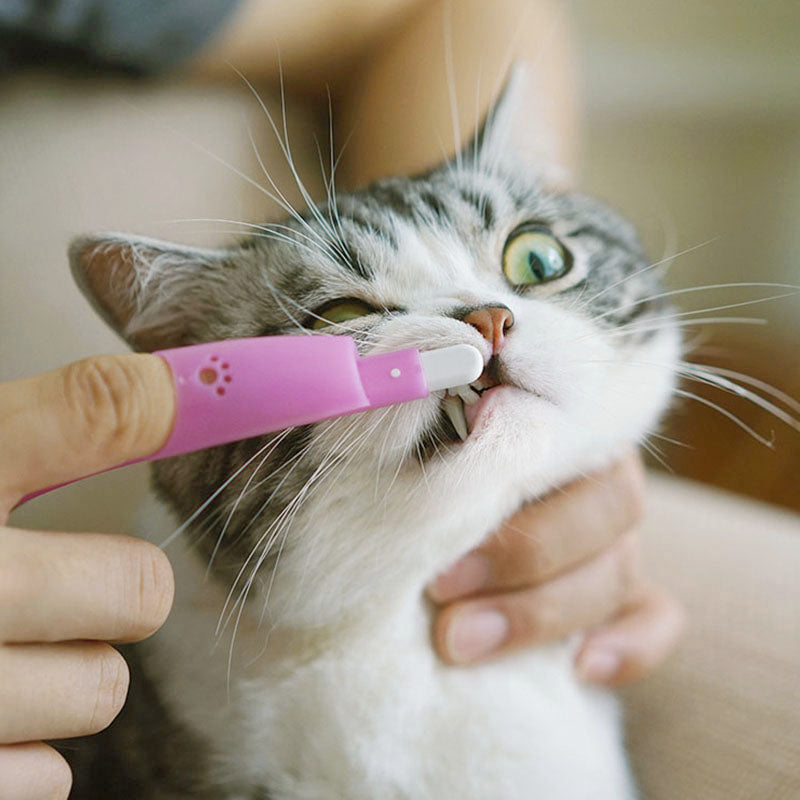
(552, 287)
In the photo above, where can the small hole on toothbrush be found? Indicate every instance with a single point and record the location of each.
(220, 390)
(208, 375)
(395, 373)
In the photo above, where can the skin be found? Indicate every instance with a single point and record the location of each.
(567, 563)
(64, 596)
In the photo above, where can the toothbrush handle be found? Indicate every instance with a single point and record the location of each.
(239, 388)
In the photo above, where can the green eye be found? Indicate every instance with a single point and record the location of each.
(339, 312)
(533, 255)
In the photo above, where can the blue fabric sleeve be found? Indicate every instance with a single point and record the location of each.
(143, 36)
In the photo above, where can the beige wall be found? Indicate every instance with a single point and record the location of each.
(692, 113)
(692, 128)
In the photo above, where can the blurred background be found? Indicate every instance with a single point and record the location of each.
(691, 127)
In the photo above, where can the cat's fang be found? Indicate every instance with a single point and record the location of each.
(466, 393)
(454, 408)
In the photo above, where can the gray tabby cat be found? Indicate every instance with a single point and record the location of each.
(319, 541)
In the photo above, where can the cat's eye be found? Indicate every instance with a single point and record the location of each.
(339, 312)
(532, 255)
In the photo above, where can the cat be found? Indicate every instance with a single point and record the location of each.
(310, 549)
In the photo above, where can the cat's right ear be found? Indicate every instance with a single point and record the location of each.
(154, 294)
(518, 130)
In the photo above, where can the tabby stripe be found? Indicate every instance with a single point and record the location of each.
(598, 233)
(352, 262)
(434, 204)
(372, 229)
(396, 200)
(482, 204)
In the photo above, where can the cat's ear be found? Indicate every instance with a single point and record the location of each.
(518, 131)
(154, 294)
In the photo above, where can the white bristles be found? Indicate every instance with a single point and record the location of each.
(453, 366)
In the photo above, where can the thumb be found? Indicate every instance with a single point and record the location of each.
(80, 419)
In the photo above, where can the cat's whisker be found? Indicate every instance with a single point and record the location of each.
(290, 463)
(447, 28)
(313, 249)
(284, 202)
(281, 527)
(650, 448)
(697, 373)
(278, 439)
(658, 325)
(676, 442)
(786, 399)
(744, 426)
(709, 378)
(203, 506)
(321, 242)
(332, 454)
(283, 143)
(270, 229)
(648, 268)
(386, 435)
(736, 285)
(355, 449)
(333, 203)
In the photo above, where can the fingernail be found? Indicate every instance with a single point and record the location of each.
(476, 634)
(467, 575)
(598, 665)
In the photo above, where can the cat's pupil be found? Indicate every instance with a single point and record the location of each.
(536, 265)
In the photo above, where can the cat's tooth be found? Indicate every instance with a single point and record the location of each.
(454, 408)
(467, 394)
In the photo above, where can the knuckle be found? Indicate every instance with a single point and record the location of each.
(111, 680)
(101, 393)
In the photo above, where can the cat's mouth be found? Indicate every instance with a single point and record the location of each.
(460, 405)
(459, 402)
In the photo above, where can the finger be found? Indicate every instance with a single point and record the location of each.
(552, 536)
(56, 691)
(635, 643)
(471, 630)
(80, 419)
(63, 586)
(33, 771)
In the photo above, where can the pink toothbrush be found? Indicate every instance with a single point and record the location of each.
(239, 388)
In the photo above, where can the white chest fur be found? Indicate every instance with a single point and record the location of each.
(369, 712)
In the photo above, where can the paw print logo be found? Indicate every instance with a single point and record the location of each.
(216, 374)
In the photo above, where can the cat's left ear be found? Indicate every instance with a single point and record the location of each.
(154, 294)
(518, 130)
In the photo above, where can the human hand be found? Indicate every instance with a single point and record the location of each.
(565, 564)
(65, 596)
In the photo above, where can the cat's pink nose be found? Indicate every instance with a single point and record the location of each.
(493, 322)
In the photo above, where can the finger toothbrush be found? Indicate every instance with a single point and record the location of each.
(239, 388)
